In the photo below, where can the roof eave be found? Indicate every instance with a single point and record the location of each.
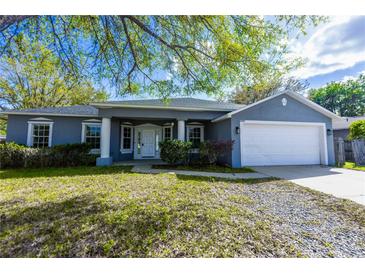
(294, 95)
(46, 114)
(101, 105)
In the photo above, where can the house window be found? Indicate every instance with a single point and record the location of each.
(139, 142)
(195, 135)
(167, 133)
(91, 133)
(127, 140)
(40, 134)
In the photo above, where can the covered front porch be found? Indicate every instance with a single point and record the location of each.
(136, 139)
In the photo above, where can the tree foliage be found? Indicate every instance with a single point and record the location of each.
(263, 87)
(345, 98)
(357, 130)
(163, 55)
(30, 78)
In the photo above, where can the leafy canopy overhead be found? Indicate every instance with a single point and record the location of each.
(30, 78)
(345, 98)
(163, 55)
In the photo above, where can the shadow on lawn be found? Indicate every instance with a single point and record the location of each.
(81, 227)
(61, 171)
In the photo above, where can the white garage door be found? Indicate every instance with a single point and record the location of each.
(281, 144)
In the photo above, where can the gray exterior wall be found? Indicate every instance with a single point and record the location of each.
(66, 130)
(273, 110)
(220, 131)
(341, 133)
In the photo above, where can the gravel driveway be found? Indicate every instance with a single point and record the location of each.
(316, 224)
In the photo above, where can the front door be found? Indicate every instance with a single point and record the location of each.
(148, 143)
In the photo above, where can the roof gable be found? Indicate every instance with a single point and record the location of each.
(293, 95)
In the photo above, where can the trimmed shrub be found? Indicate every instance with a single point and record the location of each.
(13, 155)
(357, 130)
(211, 151)
(72, 155)
(175, 151)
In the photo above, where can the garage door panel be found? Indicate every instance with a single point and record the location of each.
(280, 144)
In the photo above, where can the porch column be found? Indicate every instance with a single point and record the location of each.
(105, 159)
(181, 130)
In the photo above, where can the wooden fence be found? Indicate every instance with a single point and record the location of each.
(351, 151)
(349, 155)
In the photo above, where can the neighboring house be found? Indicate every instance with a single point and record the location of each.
(2, 139)
(341, 127)
(285, 129)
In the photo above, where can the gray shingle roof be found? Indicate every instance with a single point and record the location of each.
(179, 102)
(70, 110)
(89, 110)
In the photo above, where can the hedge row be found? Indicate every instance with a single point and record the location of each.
(13, 155)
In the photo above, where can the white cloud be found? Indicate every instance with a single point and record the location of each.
(352, 77)
(348, 77)
(339, 44)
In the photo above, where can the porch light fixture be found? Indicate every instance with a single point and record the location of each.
(284, 101)
(237, 130)
(329, 132)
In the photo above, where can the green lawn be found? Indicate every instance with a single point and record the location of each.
(112, 212)
(208, 168)
(351, 165)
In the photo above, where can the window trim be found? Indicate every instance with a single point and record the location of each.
(163, 132)
(83, 135)
(196, 126)
(122, 150)
(188, 128)
(31, 128)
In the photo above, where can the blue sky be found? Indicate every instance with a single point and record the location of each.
(334, 51)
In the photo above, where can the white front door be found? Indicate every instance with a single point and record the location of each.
(148, 143)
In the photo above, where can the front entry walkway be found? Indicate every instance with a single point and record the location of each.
(231, 176)
(340, 182)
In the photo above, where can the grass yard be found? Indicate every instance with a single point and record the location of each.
(351, 165)
(112, 212)
(208, 168)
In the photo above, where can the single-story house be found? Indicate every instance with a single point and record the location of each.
(284, 129)
(341, 127)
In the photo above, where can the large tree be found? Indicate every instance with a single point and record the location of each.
(164, 55)
(266, 86)
(346, 98)
(30, 78)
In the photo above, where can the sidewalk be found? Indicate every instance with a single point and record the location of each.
(232, 176)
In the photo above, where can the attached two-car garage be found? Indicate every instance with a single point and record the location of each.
(265, 143)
